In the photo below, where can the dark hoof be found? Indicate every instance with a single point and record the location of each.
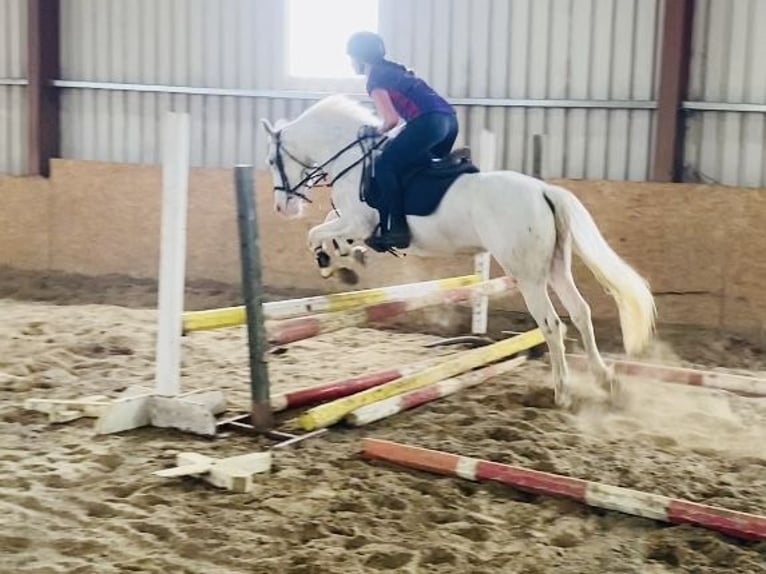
(347, 276)
(323, 259)
(359, 254)
(537, 352)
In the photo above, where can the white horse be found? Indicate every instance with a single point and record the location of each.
(528, 225)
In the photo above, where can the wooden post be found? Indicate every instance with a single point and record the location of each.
(674, 78)
(43, 131)
(252, 290)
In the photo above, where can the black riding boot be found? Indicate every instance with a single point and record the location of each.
(397, 233)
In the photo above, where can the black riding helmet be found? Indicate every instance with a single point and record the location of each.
(366, 47)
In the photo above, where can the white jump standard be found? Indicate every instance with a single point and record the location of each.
(163, 405)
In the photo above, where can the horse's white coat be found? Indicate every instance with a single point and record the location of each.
(529, 227)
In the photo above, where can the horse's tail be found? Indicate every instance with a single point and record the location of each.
(630, 291)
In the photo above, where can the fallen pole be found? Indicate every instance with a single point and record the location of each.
(337, 389)
(233, 316)
(740, 384)
(330, 413)
(292, 330)
(673, 510)
(389, 407)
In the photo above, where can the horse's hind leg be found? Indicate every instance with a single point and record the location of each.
(538, 302)
(562, 282)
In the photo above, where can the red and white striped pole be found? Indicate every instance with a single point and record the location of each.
(291, 330)
(290, 308)
(673, 510)
(340, 388)
(399, 403)
(740, 384)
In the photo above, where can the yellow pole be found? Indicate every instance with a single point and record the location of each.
(330, 413)
(233, 316)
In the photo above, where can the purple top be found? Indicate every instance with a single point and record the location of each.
(410, 95)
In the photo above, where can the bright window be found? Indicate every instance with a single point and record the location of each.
(317, 31)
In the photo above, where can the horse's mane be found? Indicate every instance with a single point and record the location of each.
(338, 107)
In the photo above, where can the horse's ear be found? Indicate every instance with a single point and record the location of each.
(271, 130)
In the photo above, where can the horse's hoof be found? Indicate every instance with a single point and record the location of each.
(323, 260)
(359, 254)
(348, 276)
(537, 352)
(563, 399)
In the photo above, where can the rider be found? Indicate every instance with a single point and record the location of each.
(430, 130)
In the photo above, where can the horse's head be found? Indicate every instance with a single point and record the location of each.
(288, 171)
(329, 129)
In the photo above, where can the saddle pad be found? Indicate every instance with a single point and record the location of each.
(424, 188)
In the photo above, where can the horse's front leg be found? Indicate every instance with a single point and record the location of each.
(337, 232)
(320, 238)
(345, 246)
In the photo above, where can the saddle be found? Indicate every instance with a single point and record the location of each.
(424, 186)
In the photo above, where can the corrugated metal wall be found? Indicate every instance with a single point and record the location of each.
(729, 46)
(13, 69)
(541, 49)
(507, 49)
(202, 43)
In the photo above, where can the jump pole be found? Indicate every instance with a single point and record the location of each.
(739, 384)
(301, 328)
(291, 308)
(252, 291)
(325, 392)
(340, 388)
(331, 413)
(648, 505)
(400, 403)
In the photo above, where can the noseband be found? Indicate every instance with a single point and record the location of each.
(312, 174)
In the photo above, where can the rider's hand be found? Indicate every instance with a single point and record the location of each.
(369, 132)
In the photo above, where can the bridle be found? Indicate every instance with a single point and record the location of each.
(315, 174)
